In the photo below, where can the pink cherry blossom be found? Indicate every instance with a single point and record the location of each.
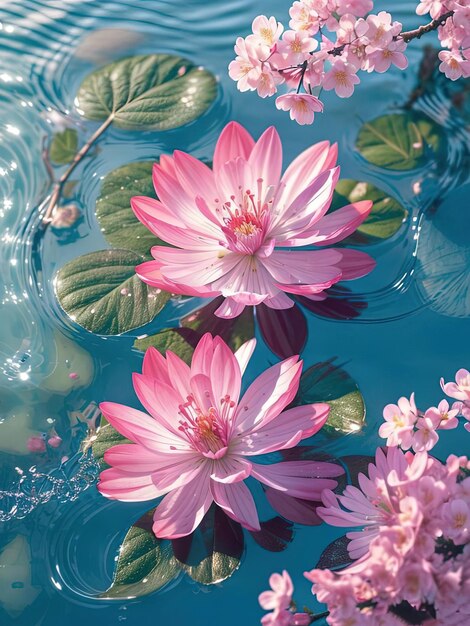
(445, 417)
(246, 67)
(433, 7)
(399, 422)
(380, 59)
(296, 46)
(342, 77)
(358, 8)
(453, 65)
(233, 225)
(460, 390)
(425, 436)
(281, 595)
(196, 444)
(304, 18)
(381, 29)
(267, 31)
(302, 106)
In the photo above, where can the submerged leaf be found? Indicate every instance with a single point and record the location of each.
(101, 292)
(275, 534)
(213, 551)
(145, 563)
(118, 223)
(399, 141)
(154, 91)
(385, 219)
(284, 330)
(326, 382)
(181, 341)
(335, 556)
(64, 146)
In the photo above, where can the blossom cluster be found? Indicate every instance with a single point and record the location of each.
(407, 427)
(409, 555)
(305, 59)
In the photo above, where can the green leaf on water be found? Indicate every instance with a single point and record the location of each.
(384, 220)
(101, 292)
(326, 382)
(64, 146)
(145, 563)
(154, 91)
(118, 223)
(400, 141)
(181, 341)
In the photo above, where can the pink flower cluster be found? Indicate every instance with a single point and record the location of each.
(407, 427)
(305, 58)
(279, 602)
(414, 546)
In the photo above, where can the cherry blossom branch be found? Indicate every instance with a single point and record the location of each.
(57, 190)
(426, 28)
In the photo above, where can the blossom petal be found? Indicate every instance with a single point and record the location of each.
(284, 431)
(268, 395)
(182, 510)
(318, 267)
(236, 500)
(355, 264)
(119, 485)
(194, 176)
(141, 428)
(339, 224)
(225, 373)
(194, 268)
(244, 353)
(234, 141)
(150, 273)
(266, 158)
(229, 309)
(299, 479)
(154, 365)
(230, 470)
(202, 356)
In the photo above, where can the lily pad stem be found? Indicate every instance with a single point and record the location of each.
(57, 190)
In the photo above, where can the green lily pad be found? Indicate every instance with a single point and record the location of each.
(64, 146)
(385, 219)
(101, 292)
(326, 382)
(181, 341)
(118, 223)
(154, 91)
(145, 563)
(399, 141)
(213, 551)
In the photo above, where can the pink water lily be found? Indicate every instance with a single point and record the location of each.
(196, 444)
(232, 225)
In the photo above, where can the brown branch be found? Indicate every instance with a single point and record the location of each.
(407, 35)
(427, 28)
(57, 190)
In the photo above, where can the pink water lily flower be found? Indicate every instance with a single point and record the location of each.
(232, 226)
(196, 444)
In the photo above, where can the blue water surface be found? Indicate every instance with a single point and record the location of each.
(56, 559)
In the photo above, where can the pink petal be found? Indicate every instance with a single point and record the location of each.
(234, 141)
(154, 365)
(133, 458)
(305, 168)
(297, 510)
(194, 268)
(244, 353)
(355, 264)
(202, 356)
(317, 267)
(337, 225)
(179, 373)
(268, 395)
(236, 500)
(149, 209)
(279, 302)
(160, 399)
(283, 431)
(266, 158)
(194, 176)
(149, 272)
(230, 470)
(141, 428)
(182, 510)
(119, 485)
(299, 479)
(225, 373)
(229, 309)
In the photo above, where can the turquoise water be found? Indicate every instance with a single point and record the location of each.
(58, 555)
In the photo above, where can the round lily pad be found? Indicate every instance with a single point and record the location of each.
(154, 91)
